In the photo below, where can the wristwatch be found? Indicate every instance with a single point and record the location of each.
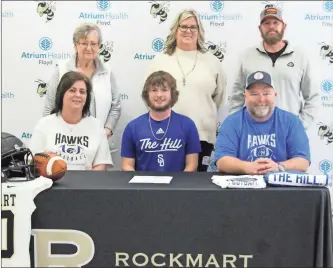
(281, 167)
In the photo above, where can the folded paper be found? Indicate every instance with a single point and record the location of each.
(241, 181)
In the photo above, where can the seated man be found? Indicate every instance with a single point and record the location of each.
(260, 137)
(160, 140)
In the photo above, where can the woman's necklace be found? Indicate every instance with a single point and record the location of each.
(184, 76)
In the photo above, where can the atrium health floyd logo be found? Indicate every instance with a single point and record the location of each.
(44, 54)
(5, 95)
(45, 43)
(325, 166)
(26, 135)
(7, 14)
(325, 17)
(103, 14)
(328, 6)
(326, 98)
(218, 14)
(157, 46)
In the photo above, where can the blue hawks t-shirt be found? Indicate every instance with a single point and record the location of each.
(279, 138)
(160, 147)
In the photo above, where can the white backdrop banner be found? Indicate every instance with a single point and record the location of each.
(33, 39)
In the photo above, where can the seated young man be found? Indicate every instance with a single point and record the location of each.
(160, 140)
(261, 137)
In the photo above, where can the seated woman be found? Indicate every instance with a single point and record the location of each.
(70, 131)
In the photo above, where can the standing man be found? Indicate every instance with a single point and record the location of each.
(160, 140)
(290, 69)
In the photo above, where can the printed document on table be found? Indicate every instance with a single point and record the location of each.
(151, 179)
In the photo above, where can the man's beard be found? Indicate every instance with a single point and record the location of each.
(261, 111)
(274, 39)
(159, 108)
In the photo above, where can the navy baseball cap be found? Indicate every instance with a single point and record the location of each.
(259, 77)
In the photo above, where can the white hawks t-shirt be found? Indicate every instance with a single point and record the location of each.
(82, 145)
(17, 206)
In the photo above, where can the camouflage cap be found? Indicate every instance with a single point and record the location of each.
(271, 11)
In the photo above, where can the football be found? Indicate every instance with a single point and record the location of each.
(49, 165)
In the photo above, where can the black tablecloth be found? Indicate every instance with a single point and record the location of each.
(187, 223)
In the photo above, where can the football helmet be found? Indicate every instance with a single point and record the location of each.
(15, 158)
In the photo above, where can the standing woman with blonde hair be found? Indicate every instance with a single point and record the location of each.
(199, 75)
